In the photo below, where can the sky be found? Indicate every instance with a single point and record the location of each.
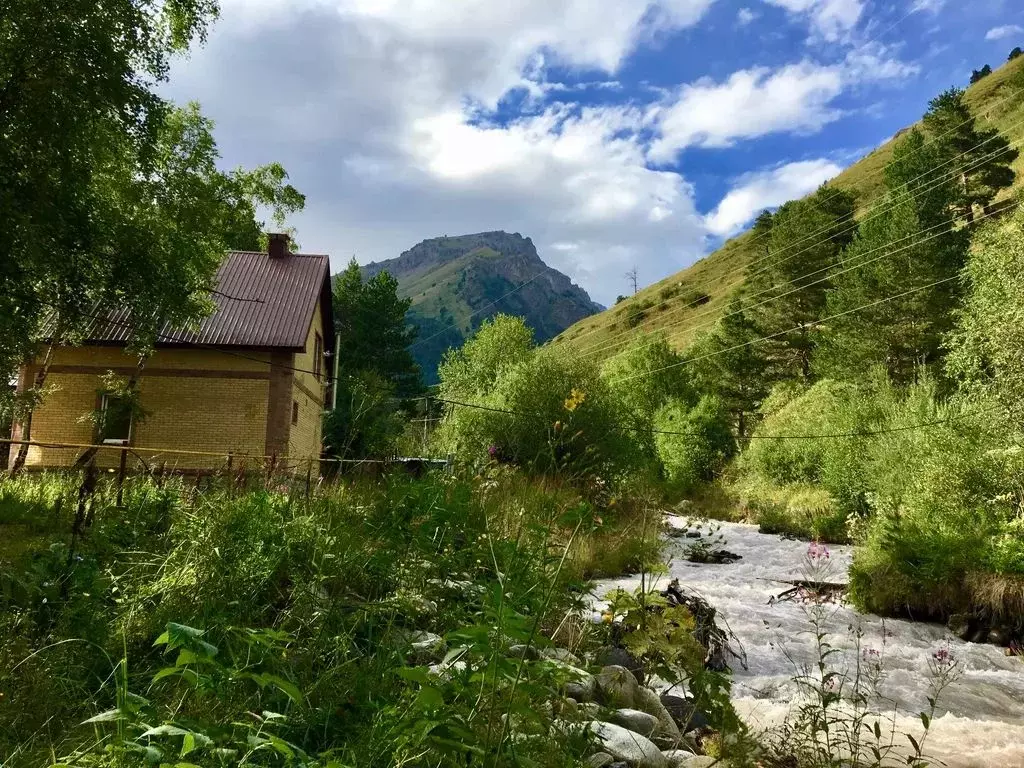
(614, 133)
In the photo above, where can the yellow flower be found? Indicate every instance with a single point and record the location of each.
(576, 397)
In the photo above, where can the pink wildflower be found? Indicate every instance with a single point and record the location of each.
(817, 551)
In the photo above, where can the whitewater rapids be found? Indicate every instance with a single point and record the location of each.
(980, 720)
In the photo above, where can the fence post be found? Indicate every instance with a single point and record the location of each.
(121, 469)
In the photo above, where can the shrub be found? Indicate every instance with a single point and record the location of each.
(544, 410)
(694, 457)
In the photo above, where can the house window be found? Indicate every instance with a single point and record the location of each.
(318, 356)
(295, 411)
(115, 424)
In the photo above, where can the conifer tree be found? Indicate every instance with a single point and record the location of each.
(730, 363)
(980, 158)
(894, 292)
(804, 241)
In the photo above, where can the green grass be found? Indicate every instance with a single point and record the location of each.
(997, 99)
(282, 619)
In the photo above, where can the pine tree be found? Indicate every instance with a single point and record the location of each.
(981, 158)
(730, 363)
(1014, 53)
(906, 243)
(370, 320)
(789, 287)
(978, 74)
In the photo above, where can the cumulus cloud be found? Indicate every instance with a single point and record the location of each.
(759, 101)
(929, 6)
(767, 189)
(383, 114)
(389, 116)
(1007, 30)
(830, 20)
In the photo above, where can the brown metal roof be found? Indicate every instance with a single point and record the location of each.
(261, 302)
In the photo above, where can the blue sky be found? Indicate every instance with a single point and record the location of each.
(615, 133)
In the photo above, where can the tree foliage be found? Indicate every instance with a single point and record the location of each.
(730, 362)
(804, 240)
(1014, 53)
(373, 334)
(892, 298)
(988, 342)
(110, 196)
(978, 74)
(979, 158)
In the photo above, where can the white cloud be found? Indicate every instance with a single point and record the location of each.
(1007, 30)
(756, 102)
(381, 111)
(830, 20)
(928, 6)
(767, 189)
(744, 16)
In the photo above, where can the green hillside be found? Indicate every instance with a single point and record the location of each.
(690, 301)
(455, 283)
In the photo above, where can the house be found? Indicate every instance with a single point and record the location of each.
(249, 382)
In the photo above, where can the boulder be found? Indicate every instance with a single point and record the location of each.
(684, 713)
(632, 748)
(600, 760)
(648, 701)
(960, 625)
(677, 758)
(620, 657)
(580, 685)
(635, 720)
(561, 654)
(617, 687)
(700, 761)
(522, 651)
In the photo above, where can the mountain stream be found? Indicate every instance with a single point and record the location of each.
(980, 719)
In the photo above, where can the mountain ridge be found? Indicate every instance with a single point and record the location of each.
(455, 283)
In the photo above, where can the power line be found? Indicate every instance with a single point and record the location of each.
(802, 326)
(829, 273)
(927, 142)
(883, 207)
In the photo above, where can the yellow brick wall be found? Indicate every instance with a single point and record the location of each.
(209, 414)
(305, 439)
(187, 359)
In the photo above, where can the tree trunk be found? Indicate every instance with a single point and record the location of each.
(26, 430)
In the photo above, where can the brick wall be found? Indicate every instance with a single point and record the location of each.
(204, 411)
(305, 438)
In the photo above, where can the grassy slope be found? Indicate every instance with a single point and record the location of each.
(438, 287)
(998, 99)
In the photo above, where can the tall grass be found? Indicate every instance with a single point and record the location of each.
(285, 620)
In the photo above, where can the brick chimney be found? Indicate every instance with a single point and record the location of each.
(278, 244)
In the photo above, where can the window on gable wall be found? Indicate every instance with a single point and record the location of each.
(115, 423)
(318, 356)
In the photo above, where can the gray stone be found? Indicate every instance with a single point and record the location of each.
(617, 687)
(678, 758)
(635, 720)
(444, 671)
(700, 761)
(521, 651)
(600, 760)
(684, 713)
(561, 654)
(620, 657)
(622, 744)
(648, 701)
(581, 685)
(590, 709)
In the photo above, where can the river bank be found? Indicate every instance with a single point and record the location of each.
(980, 718)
